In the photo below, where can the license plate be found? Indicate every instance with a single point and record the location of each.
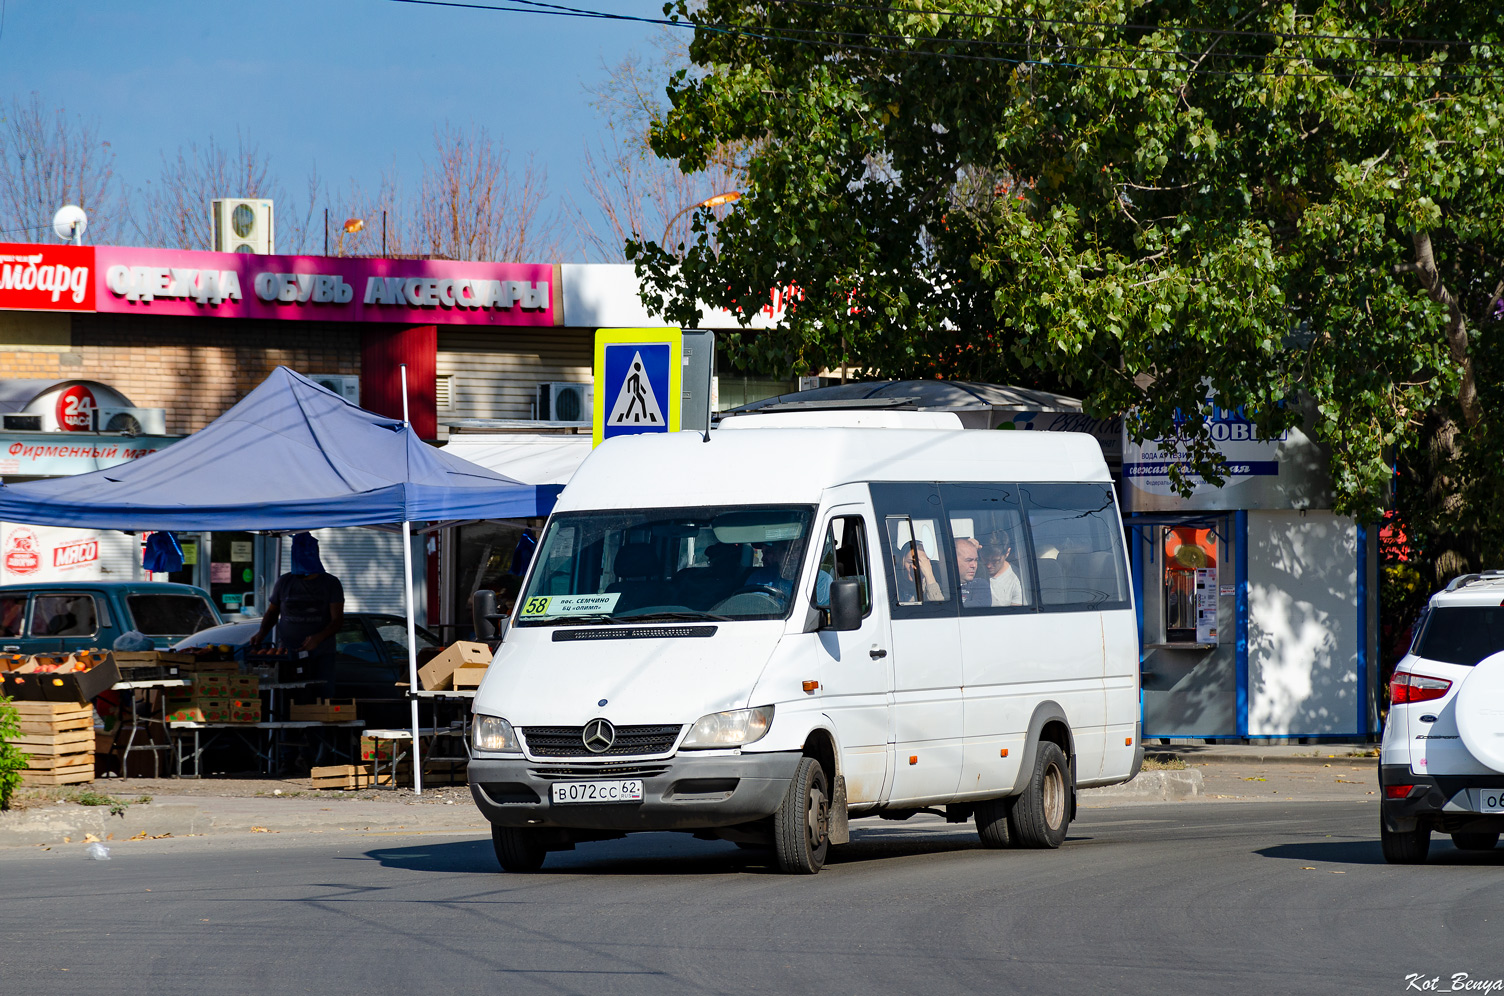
(1488, 800)
(625, 790)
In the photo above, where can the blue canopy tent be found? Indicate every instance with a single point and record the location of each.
(291, 455)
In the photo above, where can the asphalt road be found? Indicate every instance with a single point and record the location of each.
(1217, 897)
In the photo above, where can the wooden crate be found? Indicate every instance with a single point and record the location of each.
(63, 776)
(58, 738)
(356, 776)
(322, 711)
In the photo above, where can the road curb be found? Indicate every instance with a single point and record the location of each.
(1170, 754)
(1150, 786)
(51, 824)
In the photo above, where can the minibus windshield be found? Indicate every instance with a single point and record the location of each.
(714, 563)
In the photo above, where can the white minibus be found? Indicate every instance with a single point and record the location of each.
(760, 634)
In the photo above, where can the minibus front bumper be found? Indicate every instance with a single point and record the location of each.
(686, 792)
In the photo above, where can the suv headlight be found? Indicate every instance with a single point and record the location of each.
(730, 729)
(493, 734)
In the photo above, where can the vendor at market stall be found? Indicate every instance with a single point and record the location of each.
(306, 605)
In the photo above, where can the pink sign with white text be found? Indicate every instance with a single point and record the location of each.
(322, 288)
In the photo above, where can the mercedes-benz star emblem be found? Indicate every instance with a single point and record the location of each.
(598, 735)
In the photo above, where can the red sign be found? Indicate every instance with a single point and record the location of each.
(46, 278)
(76, 553)
(21, 556)
(75, 409)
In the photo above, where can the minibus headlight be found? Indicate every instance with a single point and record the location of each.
(730, 729)
(493, 734)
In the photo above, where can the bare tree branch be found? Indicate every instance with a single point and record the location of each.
(48, 160)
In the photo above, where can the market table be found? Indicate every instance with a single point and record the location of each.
(137, 718)
(403, 736)
(267, 754)
(461, 694)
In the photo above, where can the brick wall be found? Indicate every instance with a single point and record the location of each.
(195, 368)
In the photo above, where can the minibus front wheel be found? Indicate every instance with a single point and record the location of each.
(519, 849)
(801, 827)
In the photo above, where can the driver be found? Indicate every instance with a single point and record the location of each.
(774, 570)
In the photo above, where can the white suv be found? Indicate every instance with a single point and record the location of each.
(1442, 762)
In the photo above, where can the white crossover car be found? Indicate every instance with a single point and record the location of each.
(1442, 763)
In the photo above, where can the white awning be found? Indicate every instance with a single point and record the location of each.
(530, 458)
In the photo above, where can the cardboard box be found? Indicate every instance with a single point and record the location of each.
(211, 685)
(9, 661)
(438, 673)
(67, 684)
(378, 750)
(243, 686)
(245, 710)
(467, 677)
(322, 711)
(199, 711)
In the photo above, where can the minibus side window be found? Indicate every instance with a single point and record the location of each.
(844, 556)
(916, 549)
(986, 524)
(1078, 546)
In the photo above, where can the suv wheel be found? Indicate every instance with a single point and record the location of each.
(1405, 847)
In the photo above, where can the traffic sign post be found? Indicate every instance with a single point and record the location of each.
(638, 382)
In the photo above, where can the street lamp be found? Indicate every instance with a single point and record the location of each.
(729, 197)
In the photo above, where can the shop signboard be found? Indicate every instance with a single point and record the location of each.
(46, 277)
(1289, 472)
(47, 553)
(322, 288)
(34, 454)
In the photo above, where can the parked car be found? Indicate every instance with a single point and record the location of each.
(68, 615)
(371, 649)
(1441, 765)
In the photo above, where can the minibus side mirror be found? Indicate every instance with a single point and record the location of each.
(845, 605)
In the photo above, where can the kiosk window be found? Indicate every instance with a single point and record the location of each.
(844, 557)
(1078, 545)
(986, 521)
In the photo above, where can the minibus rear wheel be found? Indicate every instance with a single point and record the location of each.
(518, 849)
(1042, 814)
(801, 827)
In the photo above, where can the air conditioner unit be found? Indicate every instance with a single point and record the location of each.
(563, 402)
(132, 421)
(244, 225)
(347, 386)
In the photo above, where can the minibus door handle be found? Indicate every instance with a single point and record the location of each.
(877, 653)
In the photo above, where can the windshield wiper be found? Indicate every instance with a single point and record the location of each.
(677, 616)
(587, 618)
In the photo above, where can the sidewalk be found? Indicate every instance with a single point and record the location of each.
(1176, 774)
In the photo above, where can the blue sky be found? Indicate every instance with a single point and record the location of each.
(351, 85)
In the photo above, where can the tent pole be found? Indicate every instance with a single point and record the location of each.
(412, 651)
(412, 625)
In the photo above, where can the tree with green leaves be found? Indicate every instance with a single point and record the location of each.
(1296, 208)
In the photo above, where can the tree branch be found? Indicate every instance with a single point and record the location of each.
(1456, 328)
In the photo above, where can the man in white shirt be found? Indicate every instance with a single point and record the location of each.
(1007, 588)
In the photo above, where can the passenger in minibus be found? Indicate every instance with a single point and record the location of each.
(908, 556)
(1007, 588)
(773, 572)
(975, 592)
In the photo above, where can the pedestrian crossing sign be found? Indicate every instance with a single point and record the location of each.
(638, 381)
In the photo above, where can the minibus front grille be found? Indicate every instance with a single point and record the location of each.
(569, 741)
(555, 772)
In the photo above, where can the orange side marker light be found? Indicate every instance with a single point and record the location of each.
(913, 758)
(1003, 752)
(810, 686)
(1127, 741)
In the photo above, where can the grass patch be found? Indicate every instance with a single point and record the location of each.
(1163, 762)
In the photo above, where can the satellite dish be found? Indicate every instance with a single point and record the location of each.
(69, 223)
